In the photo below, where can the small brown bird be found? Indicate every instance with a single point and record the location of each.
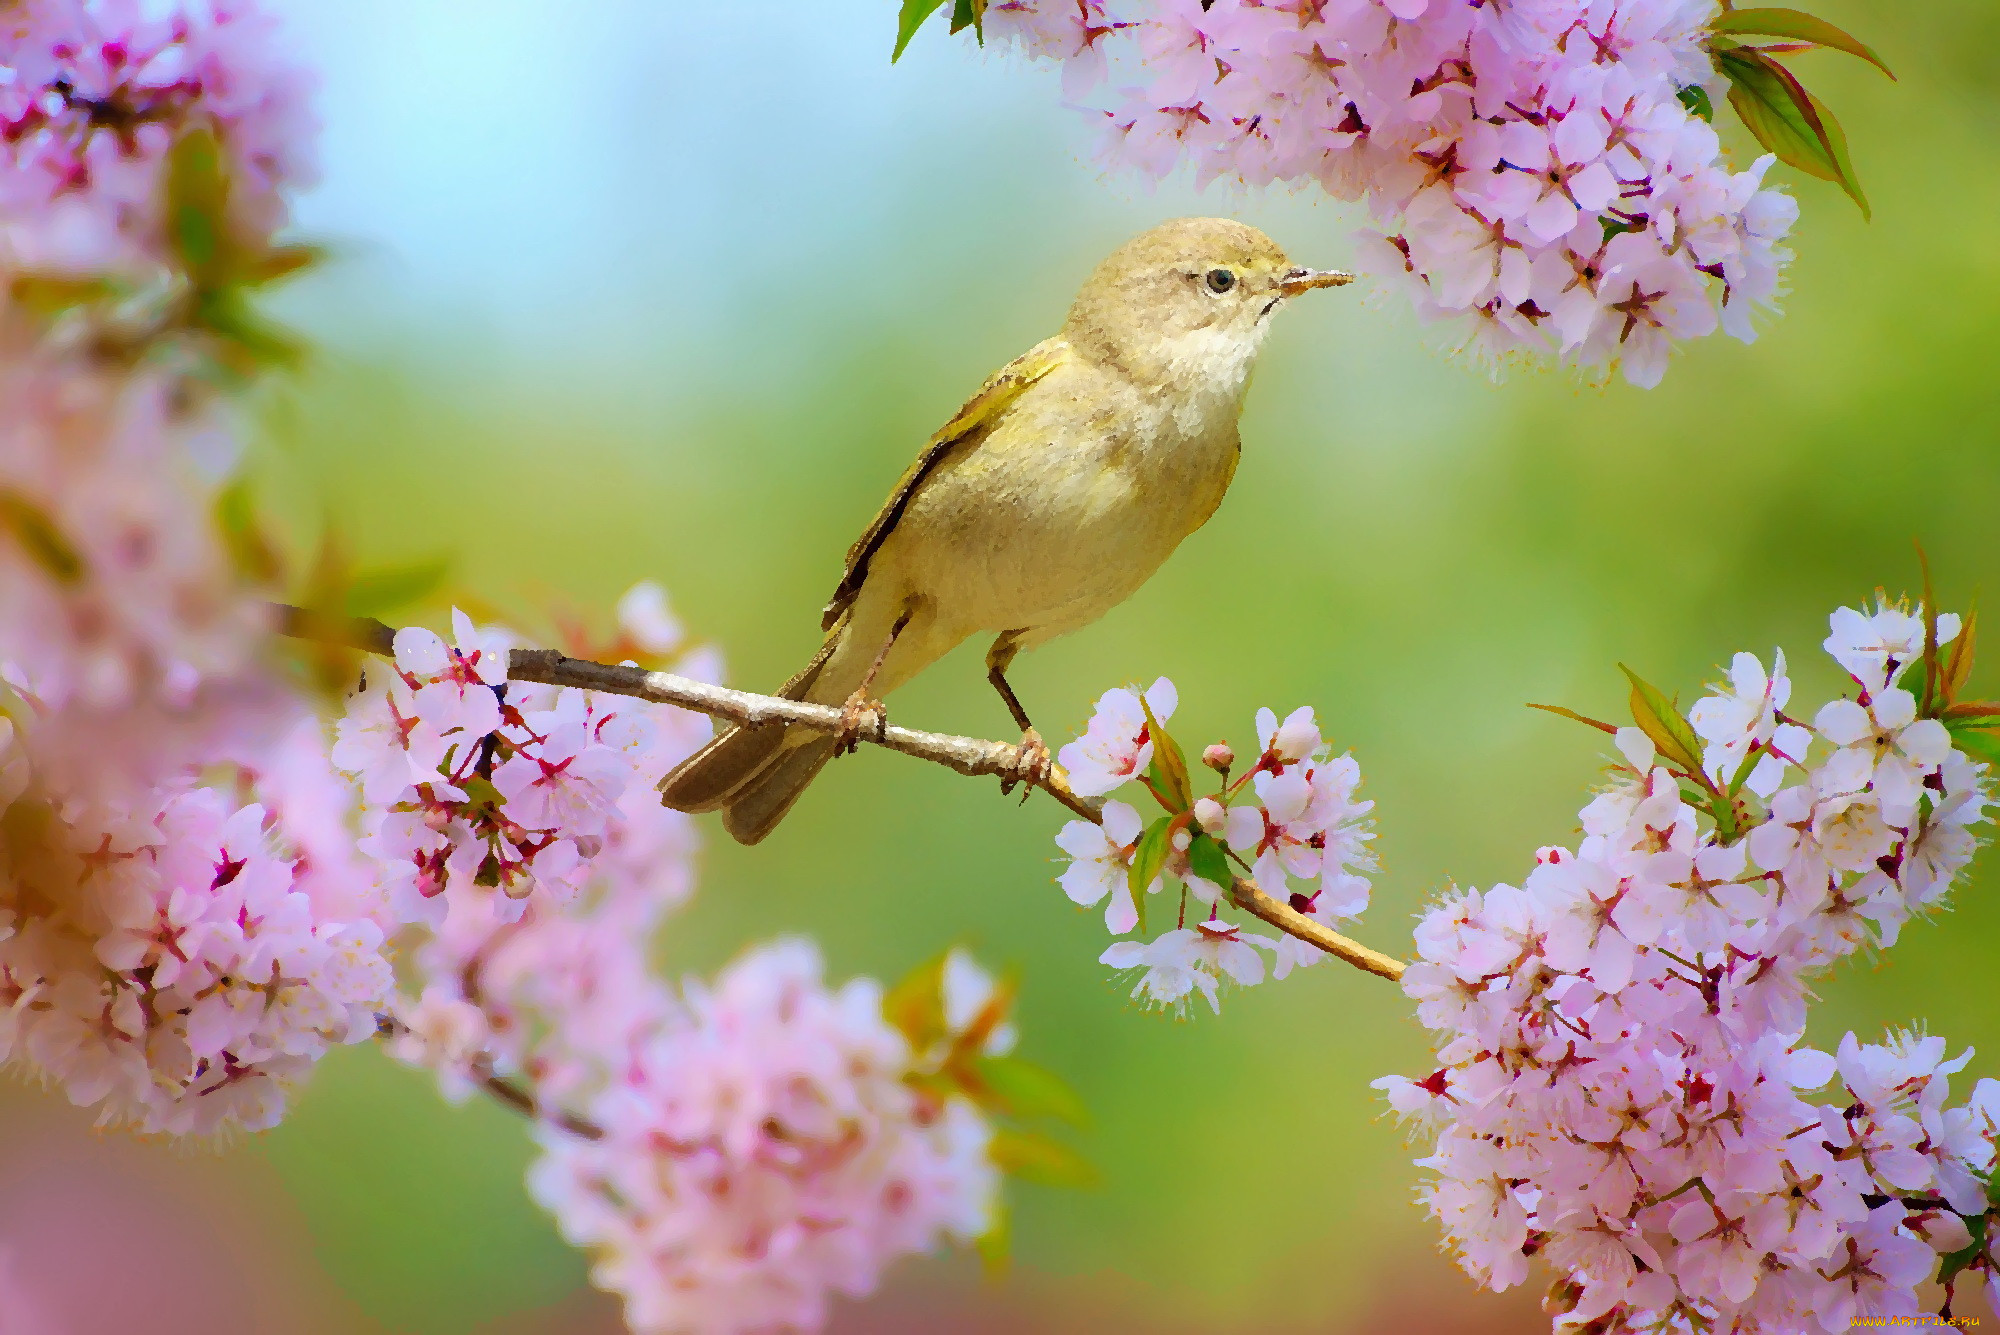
(1052, 495)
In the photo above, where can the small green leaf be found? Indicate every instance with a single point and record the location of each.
(1147, 860)
(280, 262)
(1952, 1263)
(481, 793)
(250, 549)
(915, 1005)
(1661, 722)
(1798, 27)
(1958, 668)
(1976, 737)
(1598, 724)
(223, 312)
(1695, 98)
(1040, 1158)
(1169, 763)
(35, 529)
(197, 199)
(1207, 860)
(52, 294)
(969, 14)
(912, 18)
(1787, 119)
(996, 1245)
(1927, 703)
(374, 592)
(1023, 1089)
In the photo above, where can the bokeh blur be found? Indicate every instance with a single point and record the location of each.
(632, 289)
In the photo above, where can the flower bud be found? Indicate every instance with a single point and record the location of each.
(1211, 815)
(1181, 840)
(1218, 758)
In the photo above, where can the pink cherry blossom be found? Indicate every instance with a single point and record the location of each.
(1187, 960)
(1114, 748)
(763, 1154)
(1532, 172)
(1621, 1086)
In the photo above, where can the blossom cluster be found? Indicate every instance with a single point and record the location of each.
(187, 924)
(731, 1155)
(175, 961)
(98, 94)
(513, 787)
(763, 1150)
(1292, 821)
(1540, 171)
(1622, 1086)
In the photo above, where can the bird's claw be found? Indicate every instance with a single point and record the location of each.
(860, 717)
(1031, 766)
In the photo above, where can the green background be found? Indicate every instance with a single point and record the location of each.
(691, 324)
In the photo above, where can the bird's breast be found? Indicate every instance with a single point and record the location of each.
(1067, 505)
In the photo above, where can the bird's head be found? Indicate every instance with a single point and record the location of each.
(1188, 303)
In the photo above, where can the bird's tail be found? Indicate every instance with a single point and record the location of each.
(731, 769)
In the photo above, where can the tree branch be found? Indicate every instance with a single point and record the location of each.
(966, 755)
(508, 1093)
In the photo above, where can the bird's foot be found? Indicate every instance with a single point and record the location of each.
(1031, 766)
(860, 717)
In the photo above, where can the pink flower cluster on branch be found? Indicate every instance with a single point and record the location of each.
(503, 786)
(731, 1155)
(1304, 838)
(178, 946)
(1622, 1088)
(764, 1149)
(1537, 172)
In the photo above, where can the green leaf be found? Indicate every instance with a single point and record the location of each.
(223, 312)
(1788, 120)
(1927, 703)
(969, 14)
(1207, 860)
(1798, 27)
(250, 548)
(1169, 762)
(1660, 721)
(915, 1005)
(35, 529)
(1040, 1158)
(281, 262)
(1147, 860)
(197, 197)
(1598, 724)
(1952, 1263)
(1023, 1089)
(1958, 668)
(912, 18)
(1695, 98)
(1976, 737)
(996, 1245)
(374, 592)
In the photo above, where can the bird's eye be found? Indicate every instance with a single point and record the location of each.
(1220, 280)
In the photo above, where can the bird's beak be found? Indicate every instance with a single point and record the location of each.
(1305, 280)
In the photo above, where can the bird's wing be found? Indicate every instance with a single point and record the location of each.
(999, 392)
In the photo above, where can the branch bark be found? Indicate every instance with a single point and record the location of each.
(967, 755)
(507, 1093)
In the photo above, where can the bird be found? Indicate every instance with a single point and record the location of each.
(1047, 500)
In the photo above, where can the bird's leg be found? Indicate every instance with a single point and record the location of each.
(862, 713)
(1031, 763)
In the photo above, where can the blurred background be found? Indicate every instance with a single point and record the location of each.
(631, 289)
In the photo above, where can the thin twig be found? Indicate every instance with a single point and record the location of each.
(966, 755)
(508, 1093)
